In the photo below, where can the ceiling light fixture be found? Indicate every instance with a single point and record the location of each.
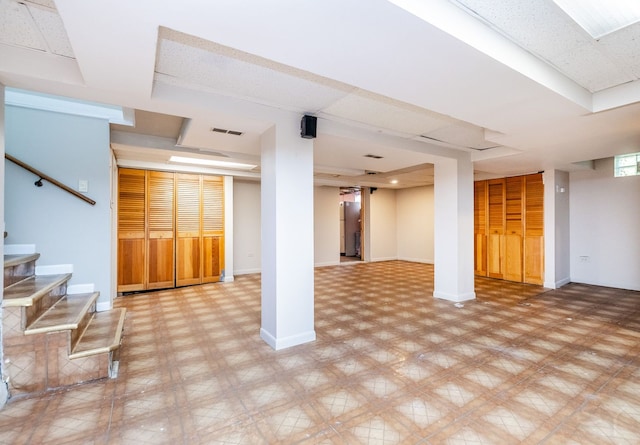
(212, 163)
(394, 181)
(600, 18)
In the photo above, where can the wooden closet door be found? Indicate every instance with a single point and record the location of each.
(534, 229)
(480, 227)
(188, 229)
(513, 229)
(212, 228)
(160, 222)
(495, 225)
(131, 230)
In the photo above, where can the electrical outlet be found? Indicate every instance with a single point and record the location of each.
(585, 259)
(83, 185)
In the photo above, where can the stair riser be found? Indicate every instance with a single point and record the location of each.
(43, 304)
(15, 274)
(82, 326)
(40, 362)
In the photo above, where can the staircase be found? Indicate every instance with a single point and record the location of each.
(52, 338)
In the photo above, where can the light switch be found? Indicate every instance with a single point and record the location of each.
(83, 185)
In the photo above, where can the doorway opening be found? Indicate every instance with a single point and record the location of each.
(351, 225)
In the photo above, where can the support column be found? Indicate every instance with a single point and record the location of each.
(228, 229)
(4, 394)
(287, 236)
(453, 227)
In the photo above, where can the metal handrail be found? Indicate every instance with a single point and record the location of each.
(46, 177)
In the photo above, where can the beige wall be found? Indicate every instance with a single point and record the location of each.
(401, 226)
(415, 224)
(326, 226)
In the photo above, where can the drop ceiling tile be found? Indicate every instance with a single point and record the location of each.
(538, 25)
(624, 47)
(52, 28)
(594, 70)
(17, 27)
(196, 66)
(48, 3)
(381, 112)
(462, 135)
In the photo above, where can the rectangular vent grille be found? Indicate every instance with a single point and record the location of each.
(224, 131)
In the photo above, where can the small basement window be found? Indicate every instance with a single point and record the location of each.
(627, 165)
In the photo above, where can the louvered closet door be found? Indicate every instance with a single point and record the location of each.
(495, 237)
(160, 221)
(188, 230)
(131, 230)
(513, 229)
(480, 227)
(534, 229)
(212, 228)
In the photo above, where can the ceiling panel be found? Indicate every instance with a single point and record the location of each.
(196, 63)
(381, 112)
(544, 29)
(17, 27)
(50, 25)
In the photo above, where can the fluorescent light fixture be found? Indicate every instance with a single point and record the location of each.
(212, 163)
(599, 17)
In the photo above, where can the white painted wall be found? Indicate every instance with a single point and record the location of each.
(383, 227)
(64, 229)
(605, 217)
(4, 394)
(415, 224)
(326, 203)
(557, 269)
(246, 227)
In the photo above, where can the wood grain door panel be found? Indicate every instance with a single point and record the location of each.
(160, 239)
(131, 230)
(188, 229)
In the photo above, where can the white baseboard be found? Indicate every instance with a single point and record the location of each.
(416, 260)
(246, 271)
(228, 279)
(81, 288)
(19, 249)
(287, 342)
(557, 284)
(374, 260)
(54, 269)
(102, 306)
(457, 298)
(327, 263)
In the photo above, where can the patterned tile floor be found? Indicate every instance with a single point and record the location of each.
(390, 365)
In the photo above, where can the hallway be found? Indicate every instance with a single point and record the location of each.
(391, 364)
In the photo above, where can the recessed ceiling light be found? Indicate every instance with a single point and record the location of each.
(211, 162)
(394, 181)
(600, 18)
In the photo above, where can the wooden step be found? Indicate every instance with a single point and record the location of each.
(29, 291)
(66, 313)
(16, 260)
(19, 267)
(103, 334)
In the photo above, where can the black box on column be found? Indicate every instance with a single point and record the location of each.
(308, 127)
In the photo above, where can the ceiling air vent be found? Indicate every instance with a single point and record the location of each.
(373, 156)
(371, 172)
(224, 131)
